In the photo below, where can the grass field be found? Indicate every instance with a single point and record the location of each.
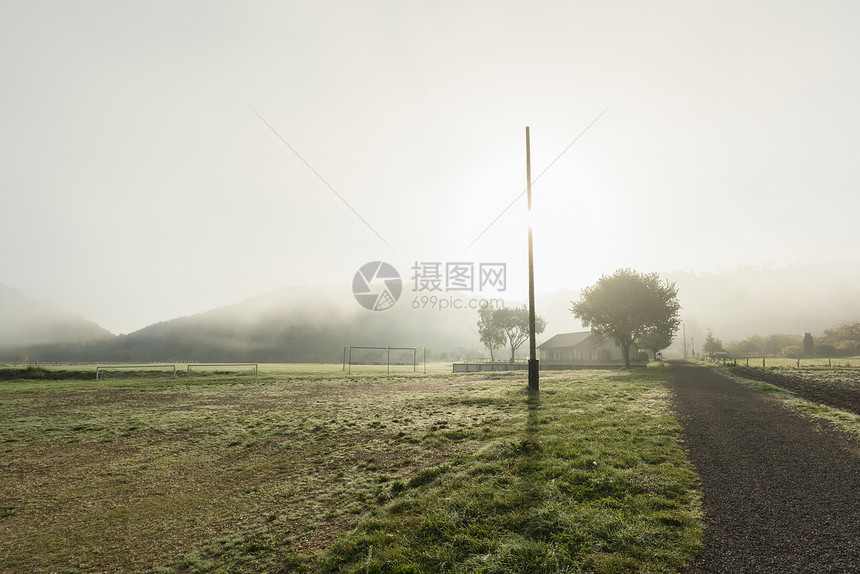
(307, 469)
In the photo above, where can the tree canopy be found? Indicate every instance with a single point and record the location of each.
(712, 344)
(506, 325)
(515, 324)
(490, 331)
(629, 305)
(654, 341)
(808, 344)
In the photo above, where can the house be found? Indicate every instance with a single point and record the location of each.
(586, 347)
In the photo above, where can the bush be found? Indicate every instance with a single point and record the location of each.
(792, 352)
(848, 348)
(825, 350)
(746, 347)
(643, 356)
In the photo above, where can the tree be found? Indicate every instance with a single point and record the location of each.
(712, 344)
(628, 305)
(654, 341)
(749, 346)
(848, 331)
(776, 343)
(848, 348)
(490, 330)
(122, 356)
(514, 323)
(808, 344)
(792, 351)
(826, 350)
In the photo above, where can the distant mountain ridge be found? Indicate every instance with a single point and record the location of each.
(297, 324)
(290, 324)
(26, 322)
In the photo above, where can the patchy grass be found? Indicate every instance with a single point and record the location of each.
(224, 472)
(589, 477)
(843, 419)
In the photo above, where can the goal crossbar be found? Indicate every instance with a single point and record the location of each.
(143, 367)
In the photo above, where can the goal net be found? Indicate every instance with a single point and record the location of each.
(136, 370)
(380, 357)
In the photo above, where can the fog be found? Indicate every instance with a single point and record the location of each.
(161, 160)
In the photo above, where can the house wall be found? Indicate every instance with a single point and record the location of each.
(608, 351)
(612, 348)
(569, 356)
(558, 356)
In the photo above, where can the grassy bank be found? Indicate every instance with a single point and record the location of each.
(225, 472)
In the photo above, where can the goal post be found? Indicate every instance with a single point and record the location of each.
(379, 356)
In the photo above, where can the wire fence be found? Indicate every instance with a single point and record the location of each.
(765, 361)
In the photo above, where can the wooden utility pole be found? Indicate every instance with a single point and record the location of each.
(534, 376)
(685, 339)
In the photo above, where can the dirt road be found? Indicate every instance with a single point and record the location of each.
(781, 491)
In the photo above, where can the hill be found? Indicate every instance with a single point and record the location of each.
(27, 322)
(296, 324)
(299, 324)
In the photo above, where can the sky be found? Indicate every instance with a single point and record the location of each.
(159, 159)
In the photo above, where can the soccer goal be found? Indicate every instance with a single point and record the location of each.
(380, 356)
(100, 370)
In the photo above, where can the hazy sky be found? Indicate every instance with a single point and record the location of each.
(138, 182)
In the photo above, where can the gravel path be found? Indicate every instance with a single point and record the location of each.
(781, 492)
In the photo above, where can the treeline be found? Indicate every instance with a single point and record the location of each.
(842, 340)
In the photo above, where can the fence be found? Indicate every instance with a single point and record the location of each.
(770, 361)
